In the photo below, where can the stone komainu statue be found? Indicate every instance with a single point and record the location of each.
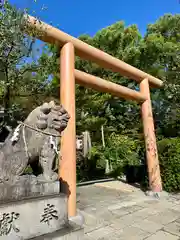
(34, 142)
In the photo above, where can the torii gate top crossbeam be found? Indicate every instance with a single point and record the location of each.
(53, 35)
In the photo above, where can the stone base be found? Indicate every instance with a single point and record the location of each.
(27, 219)
(71, 232)
(157, 195)
(26, 188)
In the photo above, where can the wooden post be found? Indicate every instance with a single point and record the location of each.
(150, 140)
(67, 167)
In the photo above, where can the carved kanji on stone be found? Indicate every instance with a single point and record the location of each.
(49, 213)
(7, 223)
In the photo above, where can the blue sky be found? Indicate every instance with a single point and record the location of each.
(82, 16)
(77, 17)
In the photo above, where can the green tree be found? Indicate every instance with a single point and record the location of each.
(161, 57)
(19, 81)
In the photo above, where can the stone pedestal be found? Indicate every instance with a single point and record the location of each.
(38, 211)
(70, 232)
(26, 188)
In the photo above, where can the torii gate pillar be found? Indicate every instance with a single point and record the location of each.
(150, 140)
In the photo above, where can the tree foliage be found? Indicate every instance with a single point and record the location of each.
(20, 84)
(25, 84)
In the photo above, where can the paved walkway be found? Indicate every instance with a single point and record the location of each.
(125, 213)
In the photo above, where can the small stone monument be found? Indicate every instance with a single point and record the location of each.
(32, 205)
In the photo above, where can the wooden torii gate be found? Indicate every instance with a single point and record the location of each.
(69, 76)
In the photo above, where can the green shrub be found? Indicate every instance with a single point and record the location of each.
(91, 167)
(120, 151)
(126, 154)
(169, 157)
(123, 150)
